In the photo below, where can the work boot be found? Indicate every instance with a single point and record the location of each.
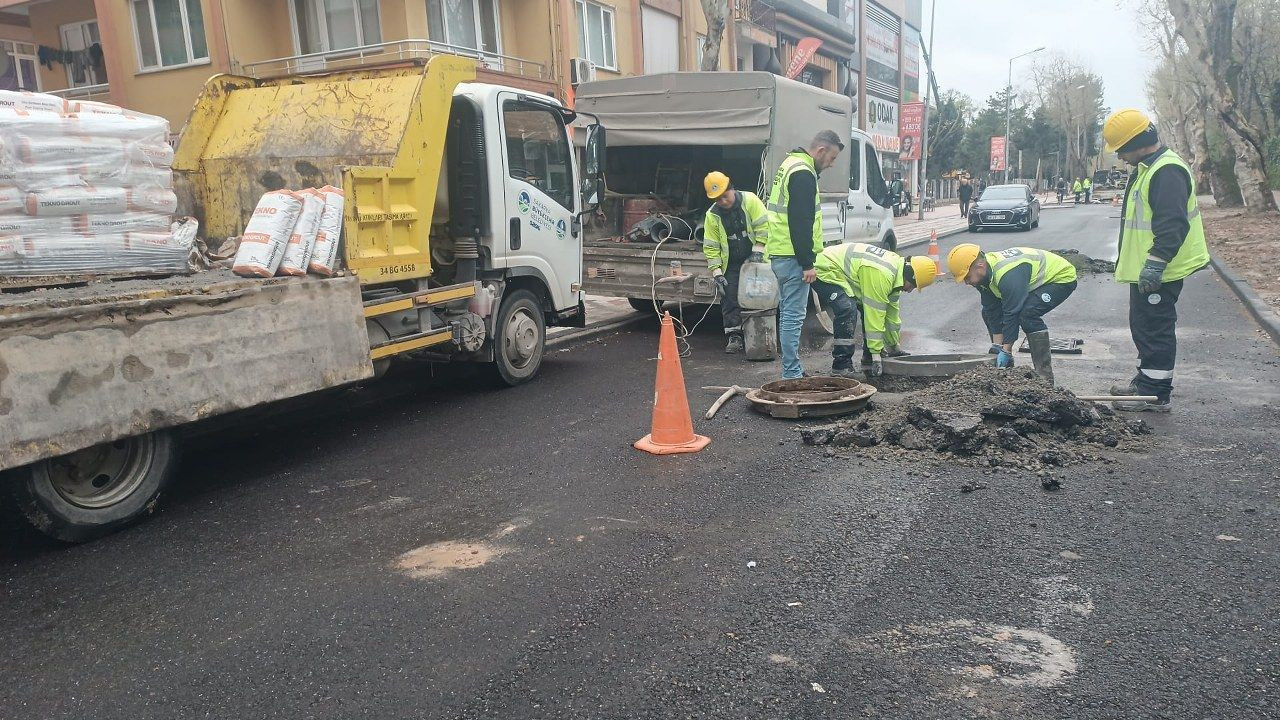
(1129, 389)
(846, 373)
(1159, 406)
(1041, 354)
(736, 345)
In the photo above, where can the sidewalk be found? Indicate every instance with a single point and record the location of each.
(946, 220)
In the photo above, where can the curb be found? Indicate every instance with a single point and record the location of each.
(1258, 309)
(592, 331)
(943, 234)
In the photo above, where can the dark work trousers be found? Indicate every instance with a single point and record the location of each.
(844, 316)
(964, 207)
(1040, 301)
(1152, 321)
(730, 311)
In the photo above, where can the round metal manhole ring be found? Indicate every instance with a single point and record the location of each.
(942, 365)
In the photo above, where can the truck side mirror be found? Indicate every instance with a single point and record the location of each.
(593, 168)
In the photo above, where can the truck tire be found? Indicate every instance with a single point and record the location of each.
(519, 338)
(95, 491)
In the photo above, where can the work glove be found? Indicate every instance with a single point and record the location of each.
(877, 366)
(1150, 279)
(722, 282)
(1004, 359)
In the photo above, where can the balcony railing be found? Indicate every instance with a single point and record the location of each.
(84, 92)
(390, 52)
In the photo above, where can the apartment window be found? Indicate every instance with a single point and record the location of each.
(327, 25)
(170, 33)
(76, 37)
(595, 34)
(471, 24)
(22, 73)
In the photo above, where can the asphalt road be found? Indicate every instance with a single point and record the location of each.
(296, 569)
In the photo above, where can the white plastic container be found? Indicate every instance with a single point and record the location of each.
(757, 287)
(482, 303)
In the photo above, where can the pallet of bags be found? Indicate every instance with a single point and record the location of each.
(85, 189)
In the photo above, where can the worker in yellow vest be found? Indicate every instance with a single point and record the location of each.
(795, 238)
(858, 275)
(1077, 188)
(1018, 286)
(1088, 189)
(1161, 243)
(736, 225)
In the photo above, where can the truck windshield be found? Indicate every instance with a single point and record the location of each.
(538, 149)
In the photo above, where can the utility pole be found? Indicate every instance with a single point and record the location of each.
(924, 132)
(1008, 103)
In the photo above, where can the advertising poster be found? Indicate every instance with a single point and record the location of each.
(997, 154)
(910, 129)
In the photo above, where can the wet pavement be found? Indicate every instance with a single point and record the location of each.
(427, 547)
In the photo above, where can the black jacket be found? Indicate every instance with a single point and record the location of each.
(802, 204)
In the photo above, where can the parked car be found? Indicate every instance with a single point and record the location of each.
(1005, 206)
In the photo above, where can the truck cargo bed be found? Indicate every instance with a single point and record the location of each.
(621, 269)
(86, 365)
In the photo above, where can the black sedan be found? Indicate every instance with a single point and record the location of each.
(1005, 206)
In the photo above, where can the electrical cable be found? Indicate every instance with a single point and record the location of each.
(682, 331)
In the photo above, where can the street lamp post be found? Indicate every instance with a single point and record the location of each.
(1008, 103)
(924, 131)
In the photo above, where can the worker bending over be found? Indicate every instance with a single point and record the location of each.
(1161, 243)
(1018, 286)
(858, 275)
(795, 238)
(736, 226)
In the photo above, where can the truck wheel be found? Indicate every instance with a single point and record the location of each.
(520, 336)
(643, 305)
(95, 491)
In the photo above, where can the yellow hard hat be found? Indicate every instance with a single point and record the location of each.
(925, 269)
(1123, 126)
(715, 183)
(961, 258)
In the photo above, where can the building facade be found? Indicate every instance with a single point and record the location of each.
(155, 55)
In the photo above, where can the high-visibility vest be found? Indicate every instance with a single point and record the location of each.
(1137, 235)
(779, 244)
(715, 241)
(874, 277)
(1046, 267)
(1077, 187)
(1088, 183)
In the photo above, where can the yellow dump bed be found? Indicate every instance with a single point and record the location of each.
(378, 133)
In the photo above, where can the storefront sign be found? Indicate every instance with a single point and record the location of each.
(803, 53)
(882, 124)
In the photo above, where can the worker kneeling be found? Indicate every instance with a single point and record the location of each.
(858, 275)
(736, 227)
(1018, 286)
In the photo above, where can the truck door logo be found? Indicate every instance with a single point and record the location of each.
(560, 228)
(522, 201)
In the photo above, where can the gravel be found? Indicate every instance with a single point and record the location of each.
(1085, 264)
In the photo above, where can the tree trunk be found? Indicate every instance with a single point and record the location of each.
(1204, 172)
(1210, 41)
(717, 12)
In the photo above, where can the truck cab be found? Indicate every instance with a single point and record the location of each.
(866, 214)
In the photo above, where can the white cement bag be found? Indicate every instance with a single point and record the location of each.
(22, 100)
(137, 127)
(324, 257)
(89, 106)
(29, 226)
(72, 150)
(156, 155)
(16, 247)
(79, 201)
(118, 222)
(12, 199)
(297, 254)
(262, 244)
(159, 200)
(34, 178)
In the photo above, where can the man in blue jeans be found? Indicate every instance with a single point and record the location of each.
(795, 238)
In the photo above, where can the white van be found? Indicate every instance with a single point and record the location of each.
(867, 216)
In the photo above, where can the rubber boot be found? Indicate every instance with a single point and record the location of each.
(736, 344)
(1041, 354)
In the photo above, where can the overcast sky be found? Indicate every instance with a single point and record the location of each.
(975, 39)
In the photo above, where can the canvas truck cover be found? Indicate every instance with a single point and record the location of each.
(721, 108)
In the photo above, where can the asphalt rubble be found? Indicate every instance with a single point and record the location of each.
(1085, 264)
(986, 417)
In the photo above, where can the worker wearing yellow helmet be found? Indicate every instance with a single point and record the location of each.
(1018, 287)
(736, 226)
(1161, 243)
(855, 276)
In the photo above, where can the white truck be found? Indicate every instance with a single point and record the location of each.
(666, 131)
(461, 235)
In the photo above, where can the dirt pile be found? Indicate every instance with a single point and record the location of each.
(1085, 264)
(989, 417)
(1237, 239)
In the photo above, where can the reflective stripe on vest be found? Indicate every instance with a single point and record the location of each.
(1137, 234)
(1045, 267)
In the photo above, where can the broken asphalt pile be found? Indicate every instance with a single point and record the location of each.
(1085, 264)
(988, 417)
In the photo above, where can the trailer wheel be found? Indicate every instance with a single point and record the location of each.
(95, 491)
(520, 336)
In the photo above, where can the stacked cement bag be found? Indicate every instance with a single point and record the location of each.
(291, 233)
(85, 188)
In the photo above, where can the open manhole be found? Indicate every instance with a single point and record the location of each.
(810, 397)
(935, 365)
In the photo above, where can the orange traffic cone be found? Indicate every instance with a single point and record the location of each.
(934, 252)
(672, 425)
